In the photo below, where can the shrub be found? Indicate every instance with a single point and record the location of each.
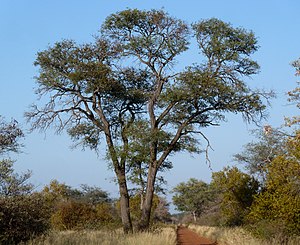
(72, 215)
(22, 217)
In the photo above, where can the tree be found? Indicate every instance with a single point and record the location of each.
(20, 219)
(279, 202)
(10, 133)
(192, 197)
(257, 155)
(161, 212)
(127, 79)
(11, 183)
(236, 190)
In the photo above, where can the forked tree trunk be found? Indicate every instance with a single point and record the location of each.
(144, 223)
(124, 203)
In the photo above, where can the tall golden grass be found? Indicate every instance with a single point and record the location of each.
(167, 236)
(233, 236)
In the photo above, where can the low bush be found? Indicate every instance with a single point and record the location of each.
(76, 215)
(22, 217)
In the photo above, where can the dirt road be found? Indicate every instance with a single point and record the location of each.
(187, 237)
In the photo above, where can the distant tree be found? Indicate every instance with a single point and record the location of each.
(56, 192)
(161, 212)
(236, 194)
(127, 79)
(94, 195)
(193, 197)
(256, 155)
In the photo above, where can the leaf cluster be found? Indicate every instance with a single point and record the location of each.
(193, 196)
(10, 134)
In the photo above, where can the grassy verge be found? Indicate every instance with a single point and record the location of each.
(166, 236)
(233, 236)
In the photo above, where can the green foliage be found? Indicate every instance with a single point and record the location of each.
(10, 133)
(257, 155)
(22, 217)
(22, 214)
(193, 196)
(236, 193)
(11, 183)
(223, 43)
(152, 35)
(279, 202)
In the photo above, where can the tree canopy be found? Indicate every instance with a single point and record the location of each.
(193, 196)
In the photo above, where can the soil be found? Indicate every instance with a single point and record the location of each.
(187, 237)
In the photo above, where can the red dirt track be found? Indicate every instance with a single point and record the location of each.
(187, 237)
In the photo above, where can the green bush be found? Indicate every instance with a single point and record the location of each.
(22, 217)
(279, 201)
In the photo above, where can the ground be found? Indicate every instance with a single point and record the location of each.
(187, 237)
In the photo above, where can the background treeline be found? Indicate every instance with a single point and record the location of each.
(263, 197)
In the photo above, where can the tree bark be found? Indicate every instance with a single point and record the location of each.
(144, 223)
(124, 203)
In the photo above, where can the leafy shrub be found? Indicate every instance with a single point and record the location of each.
(78, 215)
(72, 215)
(279, 202)
(236, 193)
(22, 217)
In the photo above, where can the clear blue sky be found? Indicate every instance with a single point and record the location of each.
(30, 26)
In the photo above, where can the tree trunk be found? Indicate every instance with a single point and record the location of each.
(147, 205)
(194, 216)
(124, 203)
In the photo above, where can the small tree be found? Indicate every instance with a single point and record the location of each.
(11, 183)
(193, 197)
(237, 191)
(256, 156)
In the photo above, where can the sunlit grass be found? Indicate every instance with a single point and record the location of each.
(167, 236)
(233, 236)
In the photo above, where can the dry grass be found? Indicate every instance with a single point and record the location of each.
(166, 236)
(233, 236)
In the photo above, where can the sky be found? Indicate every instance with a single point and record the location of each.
(27, 27)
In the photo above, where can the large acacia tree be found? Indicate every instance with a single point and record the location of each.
(125, 90)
